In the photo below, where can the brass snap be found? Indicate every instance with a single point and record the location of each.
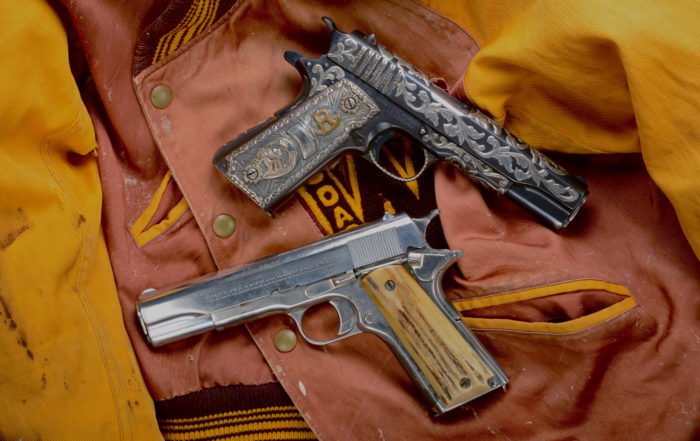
(161, 96)
(224, 225)
(285, 340)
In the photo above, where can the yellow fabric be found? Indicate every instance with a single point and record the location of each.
(541, 291)
(67, 370)
(595, 76)
(138, 230)
(569, 326)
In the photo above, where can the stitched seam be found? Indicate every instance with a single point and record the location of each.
(46, 142)
(469, 36)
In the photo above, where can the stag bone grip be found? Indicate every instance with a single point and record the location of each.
(359, 92)
(382, 278)
(436, 349)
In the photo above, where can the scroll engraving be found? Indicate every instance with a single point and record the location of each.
(459, 157)
(498, 151)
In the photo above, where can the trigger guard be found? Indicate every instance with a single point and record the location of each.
(343, 331)
(373, 154)
(346, 315)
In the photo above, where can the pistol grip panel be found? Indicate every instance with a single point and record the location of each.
(440, 353)
(281, 156)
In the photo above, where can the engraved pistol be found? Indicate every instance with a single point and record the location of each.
(381, 277)
(356, 97)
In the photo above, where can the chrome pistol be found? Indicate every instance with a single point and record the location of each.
(382, 278)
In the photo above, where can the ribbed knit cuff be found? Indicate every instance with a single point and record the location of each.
(241, 413)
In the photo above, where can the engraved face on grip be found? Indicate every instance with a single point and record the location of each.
(272, 161)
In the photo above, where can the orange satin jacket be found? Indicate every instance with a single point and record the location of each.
(596, 325)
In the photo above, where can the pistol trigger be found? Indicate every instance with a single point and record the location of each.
(379, 140)
(298, 317)
(346, 315)
(374, 148)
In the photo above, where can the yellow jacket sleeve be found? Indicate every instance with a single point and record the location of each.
(595, 77)
(67, 370)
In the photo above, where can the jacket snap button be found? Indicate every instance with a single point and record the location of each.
(224, 225)
(161, 96)
(285, 340)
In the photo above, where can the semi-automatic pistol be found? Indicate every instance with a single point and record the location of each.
(381, 277)
(359, 95)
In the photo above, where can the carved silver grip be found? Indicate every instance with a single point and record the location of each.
(278, 159)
